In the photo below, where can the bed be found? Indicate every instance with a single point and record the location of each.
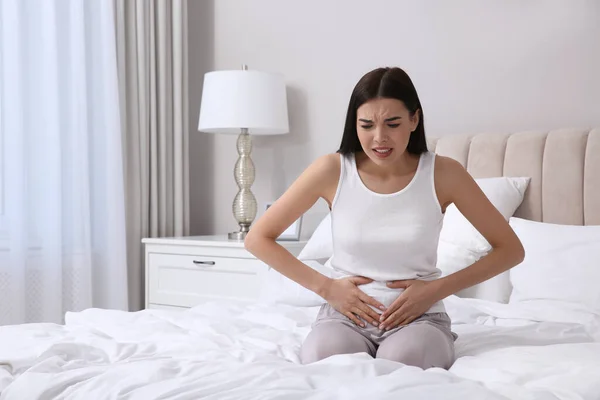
(544, 350)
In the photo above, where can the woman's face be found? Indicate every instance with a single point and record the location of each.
(384, 126)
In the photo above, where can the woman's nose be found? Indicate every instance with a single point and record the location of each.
(379, 135)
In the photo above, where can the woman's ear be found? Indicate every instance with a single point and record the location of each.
(415, 118)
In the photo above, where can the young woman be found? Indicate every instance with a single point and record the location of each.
(387, 194)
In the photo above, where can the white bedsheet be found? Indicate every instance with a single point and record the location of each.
(228, 351)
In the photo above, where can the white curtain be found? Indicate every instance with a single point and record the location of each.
(62, 218)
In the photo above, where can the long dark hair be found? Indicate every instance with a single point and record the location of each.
(391, 83)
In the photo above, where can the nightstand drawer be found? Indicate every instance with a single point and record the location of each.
(187, 280)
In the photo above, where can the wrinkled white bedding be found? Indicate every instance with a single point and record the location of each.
(230, 351)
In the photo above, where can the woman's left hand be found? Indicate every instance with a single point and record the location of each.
(417, 298)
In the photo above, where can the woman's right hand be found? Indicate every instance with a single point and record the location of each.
(345, 296)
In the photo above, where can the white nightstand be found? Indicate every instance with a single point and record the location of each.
(182, 272)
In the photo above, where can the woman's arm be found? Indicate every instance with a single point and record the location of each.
(319, 180)
(455, 185)
(460, 188)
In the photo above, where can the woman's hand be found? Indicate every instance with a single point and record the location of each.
(345, 296)
(417, 298)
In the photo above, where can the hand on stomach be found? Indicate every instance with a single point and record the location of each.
(345, 296)
(379, 291)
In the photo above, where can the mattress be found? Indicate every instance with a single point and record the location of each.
(233, 351)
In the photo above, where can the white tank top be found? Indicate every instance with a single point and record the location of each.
(386, 237)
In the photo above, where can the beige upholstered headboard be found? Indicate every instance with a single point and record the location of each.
(564, 166)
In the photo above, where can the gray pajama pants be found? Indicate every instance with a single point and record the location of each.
(426, 342)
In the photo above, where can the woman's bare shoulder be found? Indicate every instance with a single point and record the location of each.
(450, 176)
(447, 167)
(323, 175)
(326, 167)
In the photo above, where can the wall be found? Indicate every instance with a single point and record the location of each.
(488, 66)
(201, 42)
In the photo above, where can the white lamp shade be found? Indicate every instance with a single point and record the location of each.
(232, 100)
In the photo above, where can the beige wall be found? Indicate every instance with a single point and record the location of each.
(479, 66)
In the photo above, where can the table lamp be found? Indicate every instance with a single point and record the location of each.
(243, 102)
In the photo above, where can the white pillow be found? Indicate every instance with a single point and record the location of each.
(452, 258)
(279, 289)
(319, 246)
(506, 194)
(461, 244)
(561, 265)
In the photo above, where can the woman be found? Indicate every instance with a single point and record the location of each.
(387, 194)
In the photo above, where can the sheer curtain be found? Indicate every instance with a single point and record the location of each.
(62, 214)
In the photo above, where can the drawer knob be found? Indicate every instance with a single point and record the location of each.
(204, 262)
